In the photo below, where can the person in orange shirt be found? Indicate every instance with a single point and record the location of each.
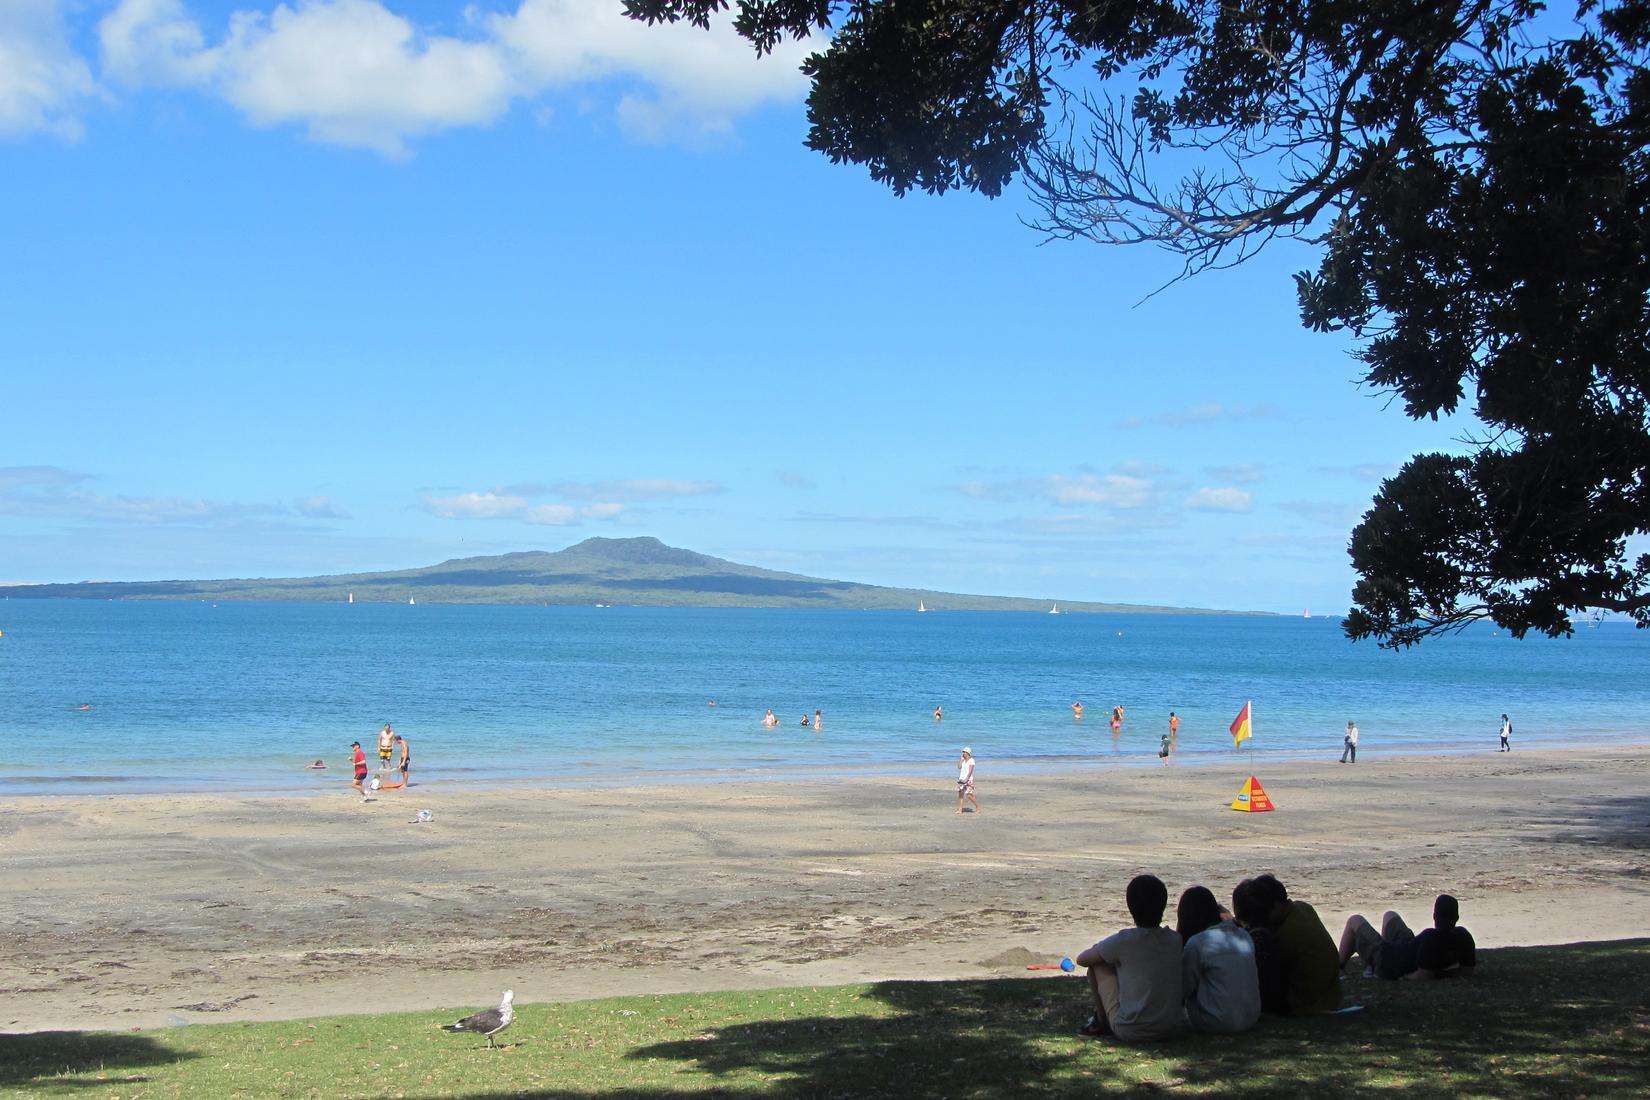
(1174, 728)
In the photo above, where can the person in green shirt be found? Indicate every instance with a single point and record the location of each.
(1308, 960)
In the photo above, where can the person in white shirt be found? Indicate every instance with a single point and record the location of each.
(1135, 975)
(1506, 734)
(965, 780)
(1350, 745)
(1218, 977)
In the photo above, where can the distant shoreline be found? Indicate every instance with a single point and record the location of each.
(334, 781)
(633, 572)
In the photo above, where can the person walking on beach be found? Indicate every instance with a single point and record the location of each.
(406, 758)
(1163, 750)
(965, 780)
(1506, 734)
(1350, 744)
(360, 758)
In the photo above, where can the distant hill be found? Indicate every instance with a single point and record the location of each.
(637, 571)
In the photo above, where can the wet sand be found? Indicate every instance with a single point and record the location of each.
(142, 910)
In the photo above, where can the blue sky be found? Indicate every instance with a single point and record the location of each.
(347, 285)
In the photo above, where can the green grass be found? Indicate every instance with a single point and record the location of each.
(1535, 1022)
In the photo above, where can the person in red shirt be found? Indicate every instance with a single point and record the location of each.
(360, 770)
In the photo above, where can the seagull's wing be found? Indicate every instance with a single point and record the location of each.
(481, 1022)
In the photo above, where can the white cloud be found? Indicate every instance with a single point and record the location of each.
(354, 72)
(551, 515)
(1220, 500)
(515, 503)
(43, 83)
(55, 493)
(1114, 490)
(487, 505)
(319, 507)
(695, 82)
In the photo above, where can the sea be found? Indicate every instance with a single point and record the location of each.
(108, 697)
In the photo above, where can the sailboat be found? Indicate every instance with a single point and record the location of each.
(1306, 613)
(920, 606)
(411, 601)
(1055, 610)
(351, 597)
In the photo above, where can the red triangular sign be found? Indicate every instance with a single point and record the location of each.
(1252, 799)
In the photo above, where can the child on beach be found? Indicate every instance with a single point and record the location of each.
(965, 780)
(360, 759)
(1163, 750)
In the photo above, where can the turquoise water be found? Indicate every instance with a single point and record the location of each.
(196, 695)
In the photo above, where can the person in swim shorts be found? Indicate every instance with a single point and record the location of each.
(406, 757)
(386, 746)
(360, 758)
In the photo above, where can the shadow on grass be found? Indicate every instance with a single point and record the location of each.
(1534, 1023)
(40, 1060)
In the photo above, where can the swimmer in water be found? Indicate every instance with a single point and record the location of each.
(85, 706)
(1077, 711)
(819, 720)
(804, 720)
(769, 720)
(939, 712)
(317, 764)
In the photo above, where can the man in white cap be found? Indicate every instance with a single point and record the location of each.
(965, 780)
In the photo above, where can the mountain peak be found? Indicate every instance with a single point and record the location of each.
(641, 550)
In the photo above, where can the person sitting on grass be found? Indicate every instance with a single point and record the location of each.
(1251, 917)
(1135, 974)
(1218, 978)
(1395, 952)
(1308, 963)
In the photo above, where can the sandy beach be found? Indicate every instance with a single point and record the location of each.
(153, 909)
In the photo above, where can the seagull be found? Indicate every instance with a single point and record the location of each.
(490, 1022)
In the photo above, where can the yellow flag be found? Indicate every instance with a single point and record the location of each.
(1241, 729)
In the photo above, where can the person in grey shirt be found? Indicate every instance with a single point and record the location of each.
(1135, 974)
(1218, 976)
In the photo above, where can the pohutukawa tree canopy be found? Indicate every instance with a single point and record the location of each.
(1474, 173)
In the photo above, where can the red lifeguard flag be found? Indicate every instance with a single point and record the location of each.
(1241, 728)
(1252, 798)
